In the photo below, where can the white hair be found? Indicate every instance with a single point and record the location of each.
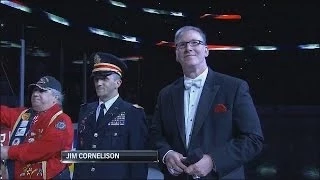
(189, 28)
(57, 94)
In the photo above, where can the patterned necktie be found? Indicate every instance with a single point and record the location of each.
(101, 114)
(190, 82)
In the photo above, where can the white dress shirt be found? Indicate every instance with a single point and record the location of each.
(191, 100)
(108, 104)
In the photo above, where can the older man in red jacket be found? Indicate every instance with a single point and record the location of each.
(38, 134)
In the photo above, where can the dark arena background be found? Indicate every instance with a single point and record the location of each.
(273, 45)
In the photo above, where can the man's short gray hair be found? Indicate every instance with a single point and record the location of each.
(180, 31)
(57, 94)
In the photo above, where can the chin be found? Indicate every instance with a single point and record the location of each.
(37, 108)
(190, 60)
(190, 64)
(101, 95)
(35, 104)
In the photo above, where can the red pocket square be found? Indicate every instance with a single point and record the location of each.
(219, 108)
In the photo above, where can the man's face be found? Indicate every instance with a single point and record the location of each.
(191, 50)
(107, 86)
(42, 100)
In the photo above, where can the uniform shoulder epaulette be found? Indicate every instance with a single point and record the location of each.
(137, 106)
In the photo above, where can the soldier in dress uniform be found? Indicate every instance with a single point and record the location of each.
(110, 124)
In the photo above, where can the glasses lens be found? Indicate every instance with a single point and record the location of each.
(194, 43)
(181, 45)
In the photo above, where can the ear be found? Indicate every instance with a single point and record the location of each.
(177, 55)
(118, 82)
(206, 51)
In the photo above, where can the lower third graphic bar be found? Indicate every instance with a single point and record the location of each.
(109, 156)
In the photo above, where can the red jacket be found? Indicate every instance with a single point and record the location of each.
(43, 142)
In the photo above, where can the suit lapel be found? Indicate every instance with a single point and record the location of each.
(208, 94)
(112, 112)
(178, 103)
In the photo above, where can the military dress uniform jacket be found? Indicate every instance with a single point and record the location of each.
(38, 155)
(123, 128)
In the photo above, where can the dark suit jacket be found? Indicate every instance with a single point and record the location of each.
(130, 135)
(231, 138)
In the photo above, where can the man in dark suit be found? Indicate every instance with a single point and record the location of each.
(205, 124)
(110, 124)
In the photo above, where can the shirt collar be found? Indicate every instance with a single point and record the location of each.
(202, 76)
(109, 103)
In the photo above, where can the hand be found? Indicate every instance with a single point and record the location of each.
(4, 152)
(174, 164)
(201, 168)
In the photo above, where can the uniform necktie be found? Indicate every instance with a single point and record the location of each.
(101, 114)
(190, 82)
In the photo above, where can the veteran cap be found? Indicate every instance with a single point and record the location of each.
(46, 83)
(105, 64)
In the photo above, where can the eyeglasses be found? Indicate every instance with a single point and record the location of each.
(192, 43)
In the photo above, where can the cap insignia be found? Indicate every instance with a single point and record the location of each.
(43, 80)
(97, 59)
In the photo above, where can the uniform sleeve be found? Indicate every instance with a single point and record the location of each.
(8, 116)
(247, 142)
(137, 141)
(58, 136)
(77, 169)
(82, 111)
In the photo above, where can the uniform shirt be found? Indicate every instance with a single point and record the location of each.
(191, 100)
(107, 104)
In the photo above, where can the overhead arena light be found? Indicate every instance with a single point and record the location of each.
(16, 5)
(57, 19)
(266, 48)
(309, 46)
(113, 35)
(117, 3)
(156, 11)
